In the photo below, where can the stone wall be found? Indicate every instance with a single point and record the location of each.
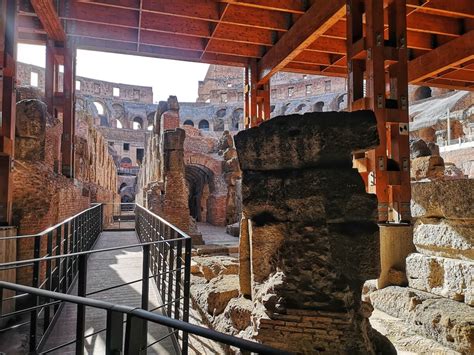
(44, 197)
(311, 238)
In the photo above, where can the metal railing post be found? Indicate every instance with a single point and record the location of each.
(134, 336)
(81, 309)
(114, 333)
(186, 287)
(35, 283)
(145, 291)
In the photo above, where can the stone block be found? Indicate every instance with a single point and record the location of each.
(443, 320)
(419, 148)
(332, 195)
(445, 277)
(213, 266)
(429, 167)
(31, 120)
(309, 140)
(445, 237)
(174, 139)
(453, 199)
(213, 296)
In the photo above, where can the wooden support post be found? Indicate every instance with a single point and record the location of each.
(8, 14)
(378, 80)
(257, 97)
(67, 143)
(59, 95)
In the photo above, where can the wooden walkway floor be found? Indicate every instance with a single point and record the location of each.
(105, 270)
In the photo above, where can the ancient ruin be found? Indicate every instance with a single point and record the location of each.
(314, 196)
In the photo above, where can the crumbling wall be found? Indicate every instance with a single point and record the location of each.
(311, 238)
(44, 197)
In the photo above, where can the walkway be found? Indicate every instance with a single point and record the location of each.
(105, 270)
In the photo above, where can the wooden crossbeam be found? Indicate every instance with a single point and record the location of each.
(452, 53)
(461, 8)
(317, 20)
(291, 6)
(49, 19)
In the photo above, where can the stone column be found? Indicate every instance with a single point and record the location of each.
(313, 234)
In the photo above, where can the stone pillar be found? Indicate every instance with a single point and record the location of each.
(313, 232)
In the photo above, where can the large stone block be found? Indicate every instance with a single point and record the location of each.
(309, 140)
(430, 167)
(307, 195)
(31, 121)
(445, 237)
(453, 199)
(445, 277)
(446, 321)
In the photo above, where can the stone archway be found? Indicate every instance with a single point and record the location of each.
(199, 180)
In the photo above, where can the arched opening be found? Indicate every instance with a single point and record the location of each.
(188, 123)
(221, 113)
(100, 108)
(122, 186)
(116, 123)
(423, 92)
(137, 123)
(126, 163)
(284, 108)
(150, 128)
(341, 102)
(237, 118)
(300, 107)
(204, 125)
(200, 185)
(218, 125)
(318, 106)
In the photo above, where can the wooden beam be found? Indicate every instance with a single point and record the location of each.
(453, 53)
(291, 6)
(49, 18)
(460, 8)
(317, 20)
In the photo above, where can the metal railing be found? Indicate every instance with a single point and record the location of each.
(48, 270)
(170, 262)
(117, 341)
(122, 216)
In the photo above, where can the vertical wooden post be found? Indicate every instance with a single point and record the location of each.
(377, 68)
(256, 97)
(67, 143)
(8, 13)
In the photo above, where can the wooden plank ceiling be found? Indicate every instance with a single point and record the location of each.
(307, 36)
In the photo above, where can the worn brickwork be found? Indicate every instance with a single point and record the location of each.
(43, 197)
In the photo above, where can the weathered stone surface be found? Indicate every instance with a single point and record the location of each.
(333, 195)
(453, 199)
(448, 322)
(233, 229)
(32, 119)
(442, 237)
(312, 231)
(450, 278)
(434, 148)
(213, 266)
(429, 167)
(213, 296)
(309, 140)
(419, 148)
(452, 172)
(239, 311)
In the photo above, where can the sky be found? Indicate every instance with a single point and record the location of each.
(167, 77)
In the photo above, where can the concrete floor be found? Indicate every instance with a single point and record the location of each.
(216, 235)
(104, 270)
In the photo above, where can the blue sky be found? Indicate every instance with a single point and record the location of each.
(167, 77)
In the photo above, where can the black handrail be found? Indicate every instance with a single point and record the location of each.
(131, 312)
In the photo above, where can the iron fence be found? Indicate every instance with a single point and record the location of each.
(122, 216)
(125, 324)
(47, 270)
(170, 261)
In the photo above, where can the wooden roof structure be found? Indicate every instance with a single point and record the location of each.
(307, 36)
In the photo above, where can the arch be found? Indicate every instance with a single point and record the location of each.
(116, 123)
(341, 102)
(423, 92)
(204, 125)
(221, 113)
(218, 125)
(100, 108)
(199, 180)
(300, 107)
(237, 118)
(126, 162)
(122, 186)
(284, 108)
(319, 106)
(118, 111)
(188, 123)
(137, 123)
(151, 117)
